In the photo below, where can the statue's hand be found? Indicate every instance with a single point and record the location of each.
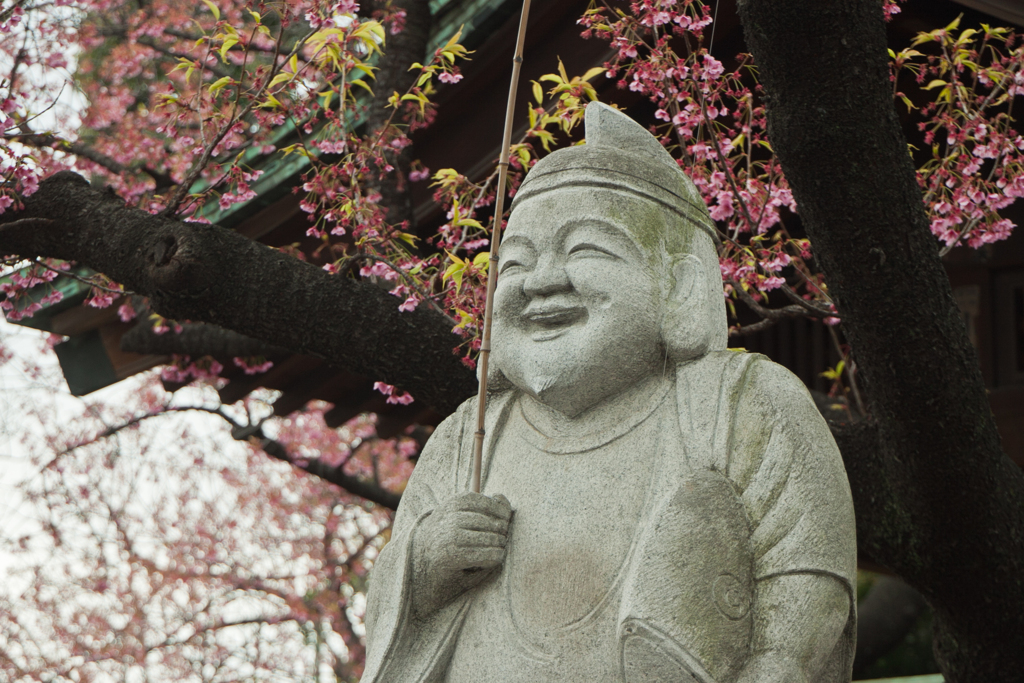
(456, 546)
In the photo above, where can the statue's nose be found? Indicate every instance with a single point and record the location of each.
(547, 278)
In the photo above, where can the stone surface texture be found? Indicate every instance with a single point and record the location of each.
(655, 508)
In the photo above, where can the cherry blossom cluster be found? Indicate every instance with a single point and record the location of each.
(33, 93)
(459, 277)
(183, 370)
(29, 289)
(346, 166)
(973, 163)
(712, 120)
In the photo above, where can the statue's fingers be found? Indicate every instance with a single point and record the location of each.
(476, 502)
(480, 522)
(503, 501)
(466, 538)
(475, 559)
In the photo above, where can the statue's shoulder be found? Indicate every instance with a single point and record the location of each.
(453, 425)
(773, 393)
(745, 383)
(723, 380)
(447, 453)
(775, 428)
(440, 455)
(738, 403)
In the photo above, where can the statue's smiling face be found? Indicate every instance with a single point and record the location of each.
(578, 308)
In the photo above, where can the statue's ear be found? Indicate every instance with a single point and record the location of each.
(684, 325)
(686, 272)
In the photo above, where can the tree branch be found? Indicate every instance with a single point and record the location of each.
(275, 449)
(208, 274)
(49, 141)
(335, 475)
(196, 340)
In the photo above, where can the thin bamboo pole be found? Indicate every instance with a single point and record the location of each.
(492, 268)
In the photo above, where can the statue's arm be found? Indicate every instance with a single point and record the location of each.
(389, 600)
(798, 502)
(798, 618)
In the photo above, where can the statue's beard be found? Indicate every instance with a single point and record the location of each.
(541, 375)
(582, 365)
(565, 376)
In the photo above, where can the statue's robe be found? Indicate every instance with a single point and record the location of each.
(743, 483)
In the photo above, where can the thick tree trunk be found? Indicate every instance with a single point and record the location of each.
(940, 503)
(208, 274)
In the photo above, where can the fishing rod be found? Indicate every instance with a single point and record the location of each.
(492, 267)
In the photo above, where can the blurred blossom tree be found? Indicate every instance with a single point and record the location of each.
(185, 103)
(150, 549)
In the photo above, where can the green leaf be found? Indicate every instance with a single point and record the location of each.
(966, 35)
(925, 38)
(454, 40)
(327, 95)
(362, 84)
(219, 84)
(561, 71)
(455, 273)
(465, 318)
(538, 92)
(271, 103)
(279, 78)
(546, 139)
(228, 44)
(213, 8)
(371, 33)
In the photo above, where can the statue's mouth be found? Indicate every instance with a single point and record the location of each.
(550, 322)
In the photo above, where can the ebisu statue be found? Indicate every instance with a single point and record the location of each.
(654, 507)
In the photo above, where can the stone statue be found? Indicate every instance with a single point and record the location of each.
(655, 508)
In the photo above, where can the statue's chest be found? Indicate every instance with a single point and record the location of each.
(575, 521)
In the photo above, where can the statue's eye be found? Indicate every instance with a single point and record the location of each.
(509, 264)
(587, 249)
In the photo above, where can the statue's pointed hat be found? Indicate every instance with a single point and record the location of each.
(619, 154)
